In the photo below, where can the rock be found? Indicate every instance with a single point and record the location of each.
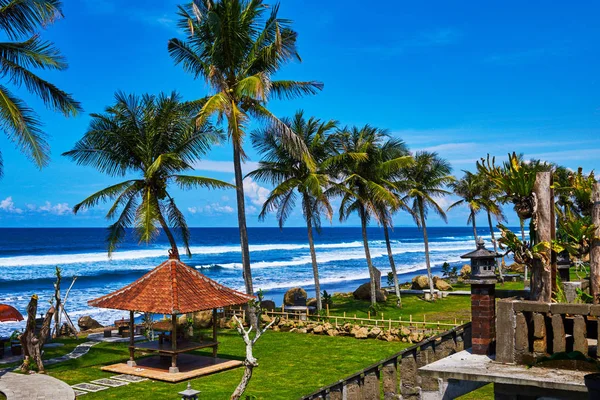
(265, 318)
(520, 268)
(465, 271)
(275, 328)
(420, 282)
(64, 330)
(361, 333)
(317, 330)
(292, 295)
(441, 284)
(268, 305)
(311, 302)
(327, 326)
(363, 292)
(332, 332)
(86, 323)
(374, 332)
(203, 319)
(293, 330)
(404, 331)
(414, 337)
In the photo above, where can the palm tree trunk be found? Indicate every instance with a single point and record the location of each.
(313, 254)
(363, 221)
(426, 240)
(241, 211)
(489, 215)
(474, 225)
(167, 231)
(392, 263)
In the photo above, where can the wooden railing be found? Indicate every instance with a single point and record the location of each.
(398, 374)
(529, 330)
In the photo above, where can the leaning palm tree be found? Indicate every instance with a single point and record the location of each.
(368, 182)
(291, 174)
(237, 50)
(20, 21)
(469, 188)
(426, 179)
(156, 138)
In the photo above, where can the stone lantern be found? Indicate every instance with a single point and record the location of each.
(483, 263)
(563, 264)
(189, 393)
(483, 298)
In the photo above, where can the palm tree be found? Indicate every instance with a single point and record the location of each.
(367, 182)
(156, 138)
(469, 188)
(291, 174)
(425, 181)
(237, 50)
(492, 199)
(20, 21)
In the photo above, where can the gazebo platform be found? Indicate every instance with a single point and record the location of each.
(190, 366)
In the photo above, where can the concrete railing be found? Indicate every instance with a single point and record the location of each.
(398, 374)
(529, 330)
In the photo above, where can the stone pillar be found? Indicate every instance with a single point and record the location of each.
(483, 317)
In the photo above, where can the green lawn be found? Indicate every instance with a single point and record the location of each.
(442, 310)
(291, 364)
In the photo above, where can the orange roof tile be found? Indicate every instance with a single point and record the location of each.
(172, 288)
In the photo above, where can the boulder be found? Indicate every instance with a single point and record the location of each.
(203, 319)
(520, 268)
(361, 333)
(275, 328)
(332, 332)
(465, 271)
(268, 305)
(265, 319)
(420, 282)
(293, 294)
(363, 292)
(441, 284)
(404, 331)
(374, 332)
(317, 330)
(311, 302)
(86, 323)
(301, 330)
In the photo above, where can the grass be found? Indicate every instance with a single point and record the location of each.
(291, 365)
(447, 310)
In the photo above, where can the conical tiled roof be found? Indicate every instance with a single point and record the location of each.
(172, 288)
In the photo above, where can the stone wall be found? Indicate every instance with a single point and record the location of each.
(398, 374)
(529, 330)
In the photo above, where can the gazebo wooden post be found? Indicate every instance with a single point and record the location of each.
(131, 362)
(214, 324)
(173, 369)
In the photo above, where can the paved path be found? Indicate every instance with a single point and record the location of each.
(77, 352)
(35, 386)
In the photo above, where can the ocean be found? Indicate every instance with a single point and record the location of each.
(280, 260)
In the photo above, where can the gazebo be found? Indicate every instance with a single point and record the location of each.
(171, 288)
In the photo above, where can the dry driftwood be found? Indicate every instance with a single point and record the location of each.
(31, 343)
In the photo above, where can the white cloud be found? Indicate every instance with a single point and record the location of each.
(254, 192)
(224, 166)
(212, 209)
(57, 209)
(9, 206)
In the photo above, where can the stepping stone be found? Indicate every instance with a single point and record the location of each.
(129, 378)
(79, 392)
(90, 387)
(110, 382)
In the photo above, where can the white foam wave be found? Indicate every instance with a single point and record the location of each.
(83, 258)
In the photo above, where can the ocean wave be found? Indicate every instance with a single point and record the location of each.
(82, 258)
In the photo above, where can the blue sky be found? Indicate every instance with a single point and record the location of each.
(462, 79)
